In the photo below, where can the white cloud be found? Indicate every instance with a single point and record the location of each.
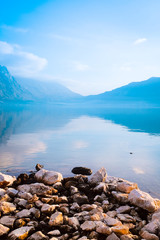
(14, 29)
(80, 67)
(21, 63)
(140, 40)
(5, 48)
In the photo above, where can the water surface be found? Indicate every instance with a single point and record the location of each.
(125, 141)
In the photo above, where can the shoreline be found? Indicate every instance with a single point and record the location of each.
(44, 205)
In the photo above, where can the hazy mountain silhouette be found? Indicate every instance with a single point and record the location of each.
(148, 90)
(10, 89)
(21, 89)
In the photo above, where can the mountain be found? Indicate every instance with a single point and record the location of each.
(47, 91)
(21, 89)
(148, 91)
(10, 89)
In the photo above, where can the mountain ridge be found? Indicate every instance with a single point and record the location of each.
(23, 90)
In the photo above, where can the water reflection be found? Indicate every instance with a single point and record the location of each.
(61, 137)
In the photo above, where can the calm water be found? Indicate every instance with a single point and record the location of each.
(61, 137)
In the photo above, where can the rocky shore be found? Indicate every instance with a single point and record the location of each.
(44, 205)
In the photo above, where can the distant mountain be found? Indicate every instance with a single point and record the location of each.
(21, 89)
(148, 90)
(47, 91)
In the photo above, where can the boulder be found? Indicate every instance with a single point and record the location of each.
(35, 188)
(3, 230)
(20, 233)
(7, 221)
(99, 176)
(7, 207)
(2, 192)
(122, 229)
(6, 180)
(82, 170)
(88, 226)
(38, 236)
(143, 200)
(56, 219)
(126, 186)
(46, 208)
(48, 177)
(112, 236)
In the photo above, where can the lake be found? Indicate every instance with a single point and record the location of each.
(125, 141)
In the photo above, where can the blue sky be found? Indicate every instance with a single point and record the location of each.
(90, 46)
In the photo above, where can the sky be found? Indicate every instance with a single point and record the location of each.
(90, 46)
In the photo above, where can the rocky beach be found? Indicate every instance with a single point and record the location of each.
(44, 205)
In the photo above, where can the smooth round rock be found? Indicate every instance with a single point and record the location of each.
(82, 170)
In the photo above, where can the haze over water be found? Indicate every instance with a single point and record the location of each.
(125, 141)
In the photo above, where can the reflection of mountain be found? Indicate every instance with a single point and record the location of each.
(138, 120)
(33, 118)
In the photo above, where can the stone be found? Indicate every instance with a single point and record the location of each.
(101, 187)
(24, 213)
(82, 170)
(6, 180)
(75, 206)
(122, 229)
(22, 178)
(25, 195)
(56, 219)
(48, 177)
(12, 192)
(148, 236)
(73, 190)
(2, 192)
(104, 230)
(38, 166)
(83, 238)
(73, 221)
(126, 218)
(112, 221)
(99, 176)
(35, 188)
(88, 226)
(7, 207)
(3, 230)
(143, 200)
(38, 236)
(112, 236)
(152, 226)
(46, 208)
(54, 233)
(80, 199)
(20, 233)
(128, 237)
(121, 197)
(123, 209)
(8, 221)
(88, 207)
(126, 186)
(21, 202)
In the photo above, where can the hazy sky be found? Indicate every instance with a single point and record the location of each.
(90, 46)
